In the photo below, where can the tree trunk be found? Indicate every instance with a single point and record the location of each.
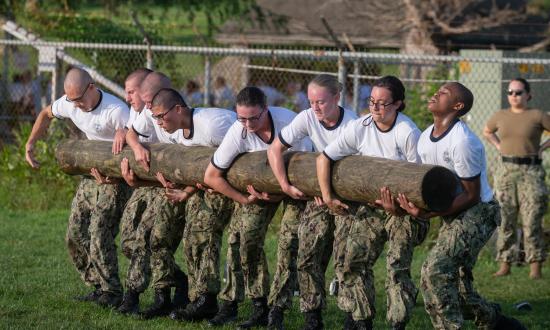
(355, 178)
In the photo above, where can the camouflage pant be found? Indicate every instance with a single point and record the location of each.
(319, 234)
(285, 280)
(369, 232)
(207, 216)
(520, 189)
(93, 226)
(446, 276)
(246, 260)
(151, 228)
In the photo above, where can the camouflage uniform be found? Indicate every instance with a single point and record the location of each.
(521, 189)
(207, 216)
(246, 260)
(368, 234)
(446, 277)
(147, 212)
(319, 234)
(285, 280)
(93, 226)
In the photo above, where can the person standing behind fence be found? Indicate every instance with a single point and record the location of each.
(193, 94)
(519, 183)
(223, 95)
(96, 208)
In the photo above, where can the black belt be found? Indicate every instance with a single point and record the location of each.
(522, 160)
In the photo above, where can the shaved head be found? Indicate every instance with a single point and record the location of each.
(138, 75)
(152, 83)
(77, 78)
(462, 95)
(168, 97)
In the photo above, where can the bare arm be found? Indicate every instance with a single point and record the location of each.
(214, 178)
(277, 163)
(543, 147)
(141, 154)
(39, 130)
(323, 176)
(491, 137)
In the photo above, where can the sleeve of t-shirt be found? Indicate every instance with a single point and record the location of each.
(119, 116)
(492, 122)
(410, 146)
(345, 144)
(60, 109)
(143, 125)
(131, 118)
(231, 146)
(468, 159)
(545, 120)
(294, 132)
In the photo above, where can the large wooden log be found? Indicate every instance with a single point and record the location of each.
(355, 178)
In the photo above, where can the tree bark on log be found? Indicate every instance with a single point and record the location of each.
(355, 178)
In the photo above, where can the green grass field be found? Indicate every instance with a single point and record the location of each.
(37, 282)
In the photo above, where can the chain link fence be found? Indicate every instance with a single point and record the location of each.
(32, 74)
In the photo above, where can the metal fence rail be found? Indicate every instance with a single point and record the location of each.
(32, 71)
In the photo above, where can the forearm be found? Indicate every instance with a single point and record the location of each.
(220, 184)
(40, 127)
(276, 161)
(323, 176)
(492, 138)
(545, 145)
(132, 139)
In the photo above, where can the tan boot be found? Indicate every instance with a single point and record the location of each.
(535, 272)
(504, 270)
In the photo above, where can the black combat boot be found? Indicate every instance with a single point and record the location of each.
(181, 293)
(399, 326)
(275, 318)
(92, 296)
(508, 323)
(130, 303)
(203, 308)
(363, 325)
(228, 313)
(259, 314)
(109, 299)
(314, 320)
(349, 323)
(161, 306)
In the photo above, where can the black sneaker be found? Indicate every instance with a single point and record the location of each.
(161, 306)
(203, 308)
(130, 303)
(227, 314)
(109, 299)
(363, 325)
(509, 323)
(275, 318)
(259, 314)
(349, 323)
(181, 293)
(92, 296)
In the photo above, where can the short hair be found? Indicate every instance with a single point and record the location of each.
(525, 83)
(329, 82)
(396, 88)
(463, 95)
(138, 74)
(168, 97)
(251, 96)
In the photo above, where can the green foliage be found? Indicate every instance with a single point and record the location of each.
(22, 187)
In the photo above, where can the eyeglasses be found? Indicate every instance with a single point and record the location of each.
(251, 119)
(77, 99)
(515, 93)
(379, 105)
(160, 116)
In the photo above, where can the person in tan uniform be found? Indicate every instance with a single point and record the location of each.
(519, 181)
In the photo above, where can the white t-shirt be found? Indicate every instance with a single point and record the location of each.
(146, 126)
(363, 137)
(100, 123)
(459, 150)
(208, 127)
(306, 124)
(238, 140)
(152, 138)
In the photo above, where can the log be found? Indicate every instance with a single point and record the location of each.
(355, 178)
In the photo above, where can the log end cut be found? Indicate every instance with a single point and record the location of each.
(439, 188)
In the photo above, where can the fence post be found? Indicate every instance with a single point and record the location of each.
(57, 84)
(207, 78)
(356, 87)
(342, 79)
